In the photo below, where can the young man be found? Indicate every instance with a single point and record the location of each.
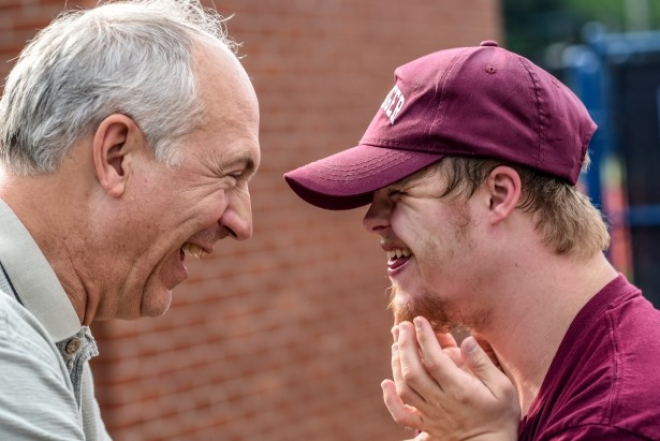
(470, 168)
(128, 133)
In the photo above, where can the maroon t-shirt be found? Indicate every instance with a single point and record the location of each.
(604, 382)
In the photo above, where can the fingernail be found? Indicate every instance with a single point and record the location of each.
(417, 322)
(395, 348)
(470, 345)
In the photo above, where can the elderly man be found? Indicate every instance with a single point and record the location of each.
(128, 135)
(470, 168)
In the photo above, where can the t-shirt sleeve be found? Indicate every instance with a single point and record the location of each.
(36, 399)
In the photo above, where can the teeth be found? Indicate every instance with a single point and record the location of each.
(398, 253)
(193, 250)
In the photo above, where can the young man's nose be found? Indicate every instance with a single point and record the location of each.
(377, 217)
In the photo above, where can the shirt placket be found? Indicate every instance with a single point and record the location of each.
(76, 352)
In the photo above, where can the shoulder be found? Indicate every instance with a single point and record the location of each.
(635, 338)
(36, 396)
(605, 376)
(24, 341)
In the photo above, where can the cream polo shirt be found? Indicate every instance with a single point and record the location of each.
(46, 386)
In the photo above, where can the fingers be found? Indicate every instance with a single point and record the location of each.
(399, 377)
(412, 376)
(437, 363)
(484, 369)
(446, 340)
(439, 388)
(488, 349)
(402, 414)
(395, 333)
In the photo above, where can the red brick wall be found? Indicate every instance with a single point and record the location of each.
(284, 337)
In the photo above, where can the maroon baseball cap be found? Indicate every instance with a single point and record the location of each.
(479, 101)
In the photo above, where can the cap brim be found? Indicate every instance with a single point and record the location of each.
(348, 179)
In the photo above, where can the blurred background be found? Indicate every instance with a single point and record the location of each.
(286, 336)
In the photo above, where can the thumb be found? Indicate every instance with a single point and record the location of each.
(482, 366)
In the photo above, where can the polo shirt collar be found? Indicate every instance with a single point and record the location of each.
(33, 278)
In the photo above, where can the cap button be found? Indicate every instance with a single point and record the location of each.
(488, 43)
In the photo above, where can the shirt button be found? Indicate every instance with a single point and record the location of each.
(72, 346)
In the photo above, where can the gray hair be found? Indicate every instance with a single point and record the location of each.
(128, 57)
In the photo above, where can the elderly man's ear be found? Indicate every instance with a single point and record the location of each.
(114, 147)
(503, 188)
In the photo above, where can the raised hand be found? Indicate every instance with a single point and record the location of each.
(447, 392)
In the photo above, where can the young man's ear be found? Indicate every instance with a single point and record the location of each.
(116, 138)
(504, 188)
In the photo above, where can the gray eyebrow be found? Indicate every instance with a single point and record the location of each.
(246, 161)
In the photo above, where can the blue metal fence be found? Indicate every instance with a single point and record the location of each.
(617, 76)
